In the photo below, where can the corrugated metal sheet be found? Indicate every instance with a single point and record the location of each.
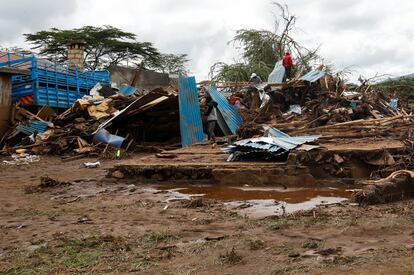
(276, 76)
(191, 126)
(33, 126)
(228, 111)
(273, 143)
(313, 76)
(223, 124)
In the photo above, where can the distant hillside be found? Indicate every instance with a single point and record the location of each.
(405, 76)
(403, 85)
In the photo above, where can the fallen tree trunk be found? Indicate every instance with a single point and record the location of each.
(399, 185)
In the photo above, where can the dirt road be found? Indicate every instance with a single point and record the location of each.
(96, 225)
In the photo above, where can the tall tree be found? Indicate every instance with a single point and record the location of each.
(105, 46)
(261, 49)
(171, 63)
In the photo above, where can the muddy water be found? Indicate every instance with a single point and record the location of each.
(224, 193)
(260, 202)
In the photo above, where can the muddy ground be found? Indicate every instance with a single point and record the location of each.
(96, 225)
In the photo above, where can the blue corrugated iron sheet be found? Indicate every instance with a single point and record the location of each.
(276, 76)
(313, 76)
(191, 126)
(228, 111)
(33, 126)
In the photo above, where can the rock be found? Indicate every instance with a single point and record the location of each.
(131, 188)
(117, 174)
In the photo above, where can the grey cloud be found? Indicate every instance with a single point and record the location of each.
(353, 22)
(374, 56)
(19, 16)
(203, 42)
(371, 35)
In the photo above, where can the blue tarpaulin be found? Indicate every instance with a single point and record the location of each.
(191, 126)
(105, 137)
(127, 90)
(228, 111)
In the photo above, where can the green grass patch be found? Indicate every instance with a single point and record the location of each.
(66, 254)
(278, 224)
(155, 238)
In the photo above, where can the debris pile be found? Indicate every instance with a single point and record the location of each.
(84, 129)
(345, 118)
(306, 105)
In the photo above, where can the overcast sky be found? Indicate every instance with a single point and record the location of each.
(371, 36)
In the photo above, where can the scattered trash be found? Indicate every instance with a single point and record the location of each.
(295, 109)
(91, 164)
(22, 159)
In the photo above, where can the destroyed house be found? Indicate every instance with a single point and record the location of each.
(48, 83)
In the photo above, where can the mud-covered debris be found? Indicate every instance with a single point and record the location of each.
(398, 186)
(256, 244)
(46, 183)
(165, 156)
(330, 251)
(195, 203)
(231, 257)
(293, 255)
(215, 238)
(84, 220)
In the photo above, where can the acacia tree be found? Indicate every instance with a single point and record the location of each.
(261, 49)
(105, 46)
(172, 64)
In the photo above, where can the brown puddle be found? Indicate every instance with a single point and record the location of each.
(260, 202)
(224, 193)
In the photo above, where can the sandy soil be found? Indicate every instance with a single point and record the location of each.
(97, 225)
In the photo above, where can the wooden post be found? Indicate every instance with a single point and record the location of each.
(6, 95)
(5, 102)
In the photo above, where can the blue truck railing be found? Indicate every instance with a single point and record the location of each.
(49, 83)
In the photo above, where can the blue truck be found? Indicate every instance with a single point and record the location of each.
(48, 83)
